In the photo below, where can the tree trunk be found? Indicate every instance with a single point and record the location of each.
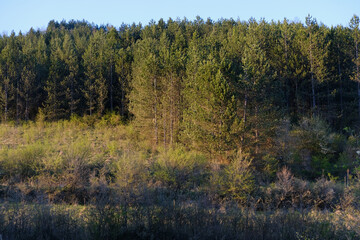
(341, 88)
(111, 87)
(6, 102)
(164, 122)
(286, 81)
(256, 130)
(122, 86)
(358, 90)
(297, 98)
(245, 107)
(312, 81)
(357, 73)
(155, 114)
(90, 98)
(172, 111)
(313, 94)
(72, 101)
(17, 102)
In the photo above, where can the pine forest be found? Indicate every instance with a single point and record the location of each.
(181, 129)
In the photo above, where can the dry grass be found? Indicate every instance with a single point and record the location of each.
(72, 180)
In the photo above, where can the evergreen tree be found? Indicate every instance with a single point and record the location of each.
(70, 81)
(354, 26)
(11, 55)
(146, 89)
(254, 81)
(95, 89)
(172, 62)
(112, 44)
(210, 106)
(54, 105)
(29, 88)
(124, 59)
(314, 48)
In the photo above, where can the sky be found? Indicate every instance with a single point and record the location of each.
(21, 15)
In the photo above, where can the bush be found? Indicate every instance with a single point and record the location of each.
(22, 162)
(179, 170)
(326, 193)
(236, 180)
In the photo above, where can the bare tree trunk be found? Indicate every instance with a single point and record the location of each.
(111, 87)
(341, 86)
(27, 106)
(358, 90)
(245, 107)
(122, 100)
(357, 73)
(164, 122)
(312, 86)
(6, 102)
(313, 94)
(171, 111)
(90, 98)
(17, 102)
(155, 114)
(297, 98)
(312, 77)
(122, 86)
(72, 107)
(286, 74)
(256, 130)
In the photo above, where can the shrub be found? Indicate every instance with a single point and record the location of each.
(236, 180)
(313, 146)
(23, 162)
(178, 169)
(326, 193)
(110, 119)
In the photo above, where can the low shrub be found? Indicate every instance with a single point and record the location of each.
(22, 162)
(180, 170)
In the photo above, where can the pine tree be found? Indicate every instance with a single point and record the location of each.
(112, 44)
(254, 81)
(124, 59)
(172, 62)
(210, 106)
(55, 100)
(144, 98)
(28, 88)
(11, 56)
(314, 47)
(71, 68)
(95, 89)
(354, 26)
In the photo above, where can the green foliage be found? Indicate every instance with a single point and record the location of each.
(95, 89)
(320, 165)
(22, 162)
(237, 180)
(270, 166)
(180, 170)
(141, 125)
(314, 148)
(130, 169)
(110, 119)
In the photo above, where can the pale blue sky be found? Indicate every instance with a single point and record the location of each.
(22, 14)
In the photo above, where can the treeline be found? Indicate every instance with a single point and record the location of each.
(214, 86)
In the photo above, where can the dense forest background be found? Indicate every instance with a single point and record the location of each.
(181, 130)
(285, 92)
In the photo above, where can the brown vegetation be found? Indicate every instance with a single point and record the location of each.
(71, 180)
